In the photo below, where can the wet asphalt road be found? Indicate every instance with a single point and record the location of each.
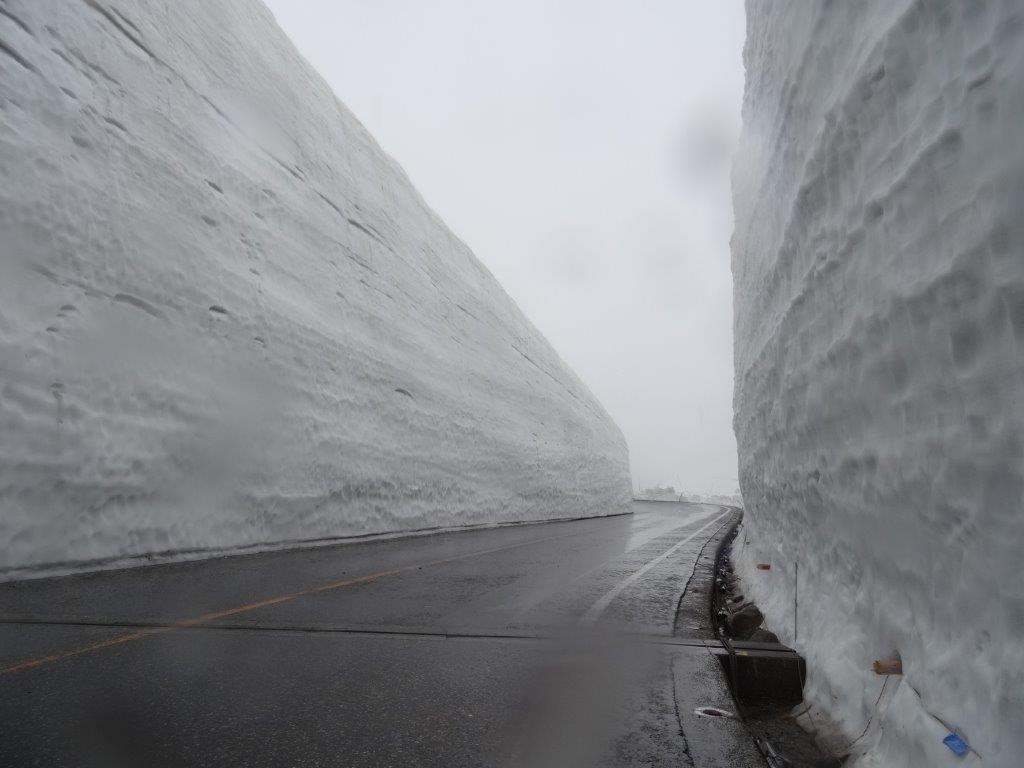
(538, 645)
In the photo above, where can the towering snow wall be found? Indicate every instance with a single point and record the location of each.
(878, 260)
(228, 320)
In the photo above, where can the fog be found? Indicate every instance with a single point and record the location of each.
(581, 149)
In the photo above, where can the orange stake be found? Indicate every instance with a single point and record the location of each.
(888, 667)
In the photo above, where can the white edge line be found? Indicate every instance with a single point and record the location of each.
(599, 607)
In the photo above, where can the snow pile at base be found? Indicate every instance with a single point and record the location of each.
(227, 319)
(879, 291)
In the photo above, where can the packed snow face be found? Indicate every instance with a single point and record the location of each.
(228, 320)
(878, 260)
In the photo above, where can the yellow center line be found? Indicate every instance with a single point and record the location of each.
(209, 617)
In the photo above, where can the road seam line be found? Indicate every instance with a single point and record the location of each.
(645, 639)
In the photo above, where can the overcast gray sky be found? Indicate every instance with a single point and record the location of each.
(581, 148)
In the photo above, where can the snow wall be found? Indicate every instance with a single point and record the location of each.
(228, 320)
(878, 260)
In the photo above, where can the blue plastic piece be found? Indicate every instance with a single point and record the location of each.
(955, 743)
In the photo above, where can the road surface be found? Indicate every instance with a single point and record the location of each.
(535, 645)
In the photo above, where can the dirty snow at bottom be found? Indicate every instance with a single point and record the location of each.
(227, 319)
(879, 288)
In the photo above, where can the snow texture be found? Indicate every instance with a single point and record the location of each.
(878, 260)
(227, 320)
